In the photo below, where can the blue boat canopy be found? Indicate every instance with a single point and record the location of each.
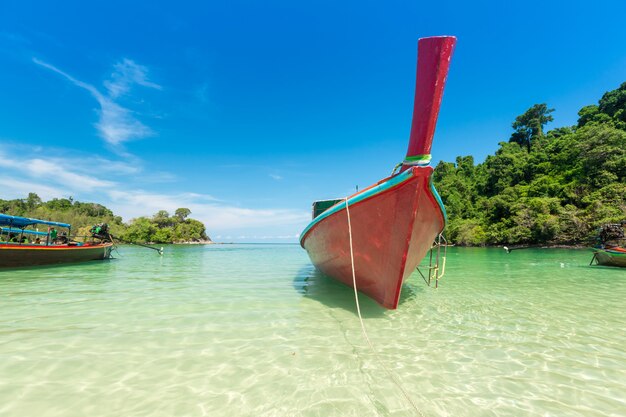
(18, 231)
(21, 222)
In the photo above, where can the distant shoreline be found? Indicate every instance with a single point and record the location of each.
(511, 247)
(205, 242)
(201, 242)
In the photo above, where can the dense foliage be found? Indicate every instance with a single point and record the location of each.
(161, 228)
(542, 188)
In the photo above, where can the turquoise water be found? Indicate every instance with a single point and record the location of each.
(253, 330)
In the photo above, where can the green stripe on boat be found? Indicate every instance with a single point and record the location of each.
(417, 160)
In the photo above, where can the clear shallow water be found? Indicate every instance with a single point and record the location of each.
(253, 330)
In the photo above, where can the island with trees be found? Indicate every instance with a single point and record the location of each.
(549, 188)
(160, 228)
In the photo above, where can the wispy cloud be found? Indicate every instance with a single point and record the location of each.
(140, 203)
(14, 188)
(87, 164)
(74, 160)
(276, 177)
(55, 172)
(125, 74)
(222, 217)
(41, 168)
(215, 214)
(116, 123)
(50, 177)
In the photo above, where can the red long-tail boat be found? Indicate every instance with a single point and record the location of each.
(24, 247)
(388, 228)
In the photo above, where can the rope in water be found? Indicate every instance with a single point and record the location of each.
(358, 309)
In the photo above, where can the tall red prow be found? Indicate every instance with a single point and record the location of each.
(432, 69)
(374, 239)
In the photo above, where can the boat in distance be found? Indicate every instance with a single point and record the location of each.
(611, 248)
(23, 247)
(376, 238)
(615, 256)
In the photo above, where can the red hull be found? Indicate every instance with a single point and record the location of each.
(392, 230)
(395, 222)
(14, 256)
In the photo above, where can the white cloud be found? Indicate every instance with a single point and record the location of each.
(12, 188)
(216, 215)
(55, 172)
(87, 164)
(276, 177)
(62, 175)
(54, 177)
(125, 75)
(116, 124)
(222, 217)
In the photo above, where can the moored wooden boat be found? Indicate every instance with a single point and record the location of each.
(610, 250)
(389, 227)
(13, 256)
(615, 256)
(22, 252)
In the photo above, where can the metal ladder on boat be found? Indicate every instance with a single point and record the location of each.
(436, 262)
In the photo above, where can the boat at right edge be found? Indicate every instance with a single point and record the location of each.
(378, 236)
(611, 248)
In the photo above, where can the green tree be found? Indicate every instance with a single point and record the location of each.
(33, 201)
(162, 219)
(141, 230)
(610, 111)
(613, 103)
(529, 126)
(182, 213)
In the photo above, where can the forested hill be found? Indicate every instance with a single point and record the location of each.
(160, 228)
(552, 187)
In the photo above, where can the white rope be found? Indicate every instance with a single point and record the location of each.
(358, 309)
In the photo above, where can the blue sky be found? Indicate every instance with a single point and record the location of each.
(245, 112)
